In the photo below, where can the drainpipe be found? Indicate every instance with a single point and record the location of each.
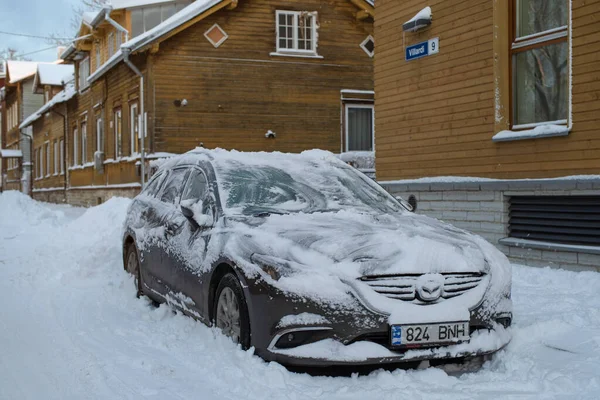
(111, 21)
(142, 122)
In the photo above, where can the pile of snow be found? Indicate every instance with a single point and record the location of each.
(72, 328)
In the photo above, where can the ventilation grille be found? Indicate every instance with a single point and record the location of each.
(403, 287)
(558, 219)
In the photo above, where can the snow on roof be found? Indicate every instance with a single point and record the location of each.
(89, 16)
(54, 74)
(5, 153)
(19, 70)
(65, 95)
(120, 4)
(180, 18)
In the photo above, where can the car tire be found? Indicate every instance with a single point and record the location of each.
(229, 294)
(132, 265)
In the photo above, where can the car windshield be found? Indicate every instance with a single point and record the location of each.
(306, 187)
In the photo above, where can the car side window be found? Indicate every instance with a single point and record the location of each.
(173, 186)
(154, 184)
(196, 187)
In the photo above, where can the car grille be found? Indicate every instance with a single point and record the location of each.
(403, 287)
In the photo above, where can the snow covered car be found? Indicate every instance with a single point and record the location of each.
(312, 263)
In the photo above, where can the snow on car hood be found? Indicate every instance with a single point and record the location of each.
(363, 244)
(326, 253)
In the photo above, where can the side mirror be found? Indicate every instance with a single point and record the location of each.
(406, 204)
(193, 212)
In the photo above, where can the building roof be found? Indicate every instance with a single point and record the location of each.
(121, 4)
(65, 95)
(189, 13)
(20, 70)
(53, 74)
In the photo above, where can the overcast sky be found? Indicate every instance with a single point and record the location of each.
(34, 17)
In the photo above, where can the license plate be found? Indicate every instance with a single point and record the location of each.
(439, 334)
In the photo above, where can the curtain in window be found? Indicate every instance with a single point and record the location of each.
(360, 129)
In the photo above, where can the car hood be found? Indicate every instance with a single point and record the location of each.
(361, 244)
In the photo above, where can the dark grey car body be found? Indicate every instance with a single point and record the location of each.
(182, 262)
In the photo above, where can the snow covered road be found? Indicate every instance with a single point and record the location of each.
(72, 328)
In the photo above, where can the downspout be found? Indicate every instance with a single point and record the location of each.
(114, 23)
(142, 122)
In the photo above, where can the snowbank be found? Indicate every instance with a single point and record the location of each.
(72, 328)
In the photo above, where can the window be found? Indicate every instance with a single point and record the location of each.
(296, 32)
(134, 129)
(98, 56)
(172, 188)
(99, 134)
(111, 44)
(62, 156)
(47, 158)
(368, 46)
(119, 39)
(55, 154)
(359, 127)
(154, 185)
(83, 142)
(540, 55)
(84, 73)
(75, 146)
(146, 18)
(117, 130)
(196, 186)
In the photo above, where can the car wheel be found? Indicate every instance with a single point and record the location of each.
(231, 311)
(132, 265)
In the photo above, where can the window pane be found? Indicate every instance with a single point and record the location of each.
(151, 17)
(360, 129)
(196, 187)
(173, 186)
(137, 22)
(541, 84)
(535, 16)
(168, 11)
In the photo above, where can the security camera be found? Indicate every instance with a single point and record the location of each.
(419, 21)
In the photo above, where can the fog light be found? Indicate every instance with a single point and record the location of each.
(505, 321)
(300, 336)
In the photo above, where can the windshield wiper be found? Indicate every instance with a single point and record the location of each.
(267, 214)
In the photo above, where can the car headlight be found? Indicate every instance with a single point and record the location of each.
(273, 266)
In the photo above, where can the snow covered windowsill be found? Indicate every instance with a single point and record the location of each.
(534, 244)
(538, 132)
(294, 54)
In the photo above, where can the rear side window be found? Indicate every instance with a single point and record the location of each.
(154, 185)
(172, 187)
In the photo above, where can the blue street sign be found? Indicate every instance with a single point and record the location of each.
(423, 49)
(417, 51)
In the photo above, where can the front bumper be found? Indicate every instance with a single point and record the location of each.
(351, 334)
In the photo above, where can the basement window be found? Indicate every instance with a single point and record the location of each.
(564, 220)
(296, 33)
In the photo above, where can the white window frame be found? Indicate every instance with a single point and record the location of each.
(61, 150)
(363, 46)
(55, 154)
(99, 134)
(83, 142)
(134, 127)
(47, 151)
(295, 51)
(84, 73)
(118, 125)
(347, 106)
(220, 42)
(111, 44)
(75, 146)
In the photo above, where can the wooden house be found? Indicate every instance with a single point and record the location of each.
(496, 104)
(47, 125)
(155, 78)
(18, 102)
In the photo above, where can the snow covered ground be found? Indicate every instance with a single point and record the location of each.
(72, 328)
